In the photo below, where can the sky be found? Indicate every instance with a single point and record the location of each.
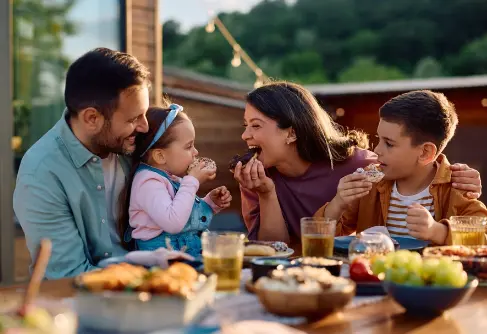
(190, 13)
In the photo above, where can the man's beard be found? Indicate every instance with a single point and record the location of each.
(105, 143)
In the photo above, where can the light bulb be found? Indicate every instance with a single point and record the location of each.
(210, 27)
(236, 61)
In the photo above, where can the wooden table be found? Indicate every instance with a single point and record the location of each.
(384, 317)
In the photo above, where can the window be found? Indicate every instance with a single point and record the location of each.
(48, 35)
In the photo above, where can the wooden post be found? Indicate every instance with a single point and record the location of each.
(7, 227)
(144, 39)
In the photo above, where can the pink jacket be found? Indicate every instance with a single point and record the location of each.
(154, 208)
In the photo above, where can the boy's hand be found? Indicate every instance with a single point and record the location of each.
(422, 225)
(221, 197)
(351, 188)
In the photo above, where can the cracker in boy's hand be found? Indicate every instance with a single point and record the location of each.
(372, 173)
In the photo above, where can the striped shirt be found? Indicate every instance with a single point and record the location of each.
(398, 207)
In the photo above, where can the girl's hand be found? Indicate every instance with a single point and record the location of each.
(221, 197)
(202, 174)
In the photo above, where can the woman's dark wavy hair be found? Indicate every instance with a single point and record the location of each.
(155, 117)
(318, 137)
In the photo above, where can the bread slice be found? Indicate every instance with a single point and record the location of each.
(259, 250)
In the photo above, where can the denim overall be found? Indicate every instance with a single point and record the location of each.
(189, 236)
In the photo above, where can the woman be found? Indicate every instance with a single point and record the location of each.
(303, 155)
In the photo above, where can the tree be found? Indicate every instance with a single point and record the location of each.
(366, 69)
(472, 59)
(428, 67)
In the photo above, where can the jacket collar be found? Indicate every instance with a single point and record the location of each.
(442, 176)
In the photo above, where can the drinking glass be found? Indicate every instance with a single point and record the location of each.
(223, 255)
(317, 236)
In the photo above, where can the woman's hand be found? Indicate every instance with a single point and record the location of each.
(468, 179)
(253, 177)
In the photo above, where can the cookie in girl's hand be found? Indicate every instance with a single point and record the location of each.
(372, 173)
(209, 164)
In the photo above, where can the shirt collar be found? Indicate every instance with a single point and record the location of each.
(79, 154)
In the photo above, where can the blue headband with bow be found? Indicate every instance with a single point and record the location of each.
(175, 109)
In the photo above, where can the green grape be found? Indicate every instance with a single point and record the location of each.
(442, 277)
(399, 275)
(388, 274)
(415, 263)
(401, 258)
(414, 279)
(429, 269)
(379, 265)
(458, 266)
(390, 259)
(459, 280)
(444, 262)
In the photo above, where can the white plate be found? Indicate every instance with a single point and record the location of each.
(285, 254)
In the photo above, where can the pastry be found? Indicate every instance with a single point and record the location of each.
(278, 246)
(259, 250)
(209, 164)
(252, 152)
(372, 173)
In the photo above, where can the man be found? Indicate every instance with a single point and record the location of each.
(69, 181)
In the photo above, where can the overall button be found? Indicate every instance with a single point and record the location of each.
(203, 219)
(103, 221)
(94, 159)
(106, 254)
(98, 187)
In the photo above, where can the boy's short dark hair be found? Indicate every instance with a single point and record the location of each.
(426, 116)
(97, 78)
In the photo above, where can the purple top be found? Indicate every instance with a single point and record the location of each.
(302, 196)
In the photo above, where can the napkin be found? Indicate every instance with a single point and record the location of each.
(380, 229)
(160, 257)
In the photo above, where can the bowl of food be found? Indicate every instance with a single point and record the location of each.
(332, 265)
(304, 292)
(261, 267)
(130, 298)
(43, 317)
(426, 286)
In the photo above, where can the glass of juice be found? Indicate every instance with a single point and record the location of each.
(317, 236)
(468, 230)
(223, 255)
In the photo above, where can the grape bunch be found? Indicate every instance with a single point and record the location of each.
(406, 267)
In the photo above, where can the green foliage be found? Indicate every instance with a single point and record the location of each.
(366, 69)
(313, 41)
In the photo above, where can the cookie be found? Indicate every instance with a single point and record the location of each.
(209, 164)
(372, 173)
(252, 152)
(259, 250)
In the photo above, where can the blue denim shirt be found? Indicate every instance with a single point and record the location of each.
(60, 195)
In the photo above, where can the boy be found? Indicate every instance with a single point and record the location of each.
(415, 198)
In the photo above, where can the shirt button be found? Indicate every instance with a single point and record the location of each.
(94, 159)
(203, 219)
(103, 221)
(98, 187)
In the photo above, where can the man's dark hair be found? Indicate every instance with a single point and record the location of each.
(97, 78)
(425, 115)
